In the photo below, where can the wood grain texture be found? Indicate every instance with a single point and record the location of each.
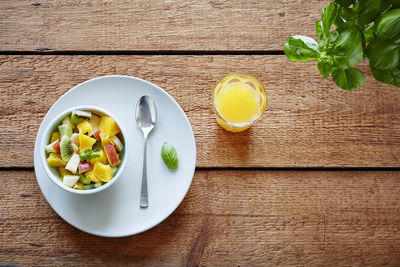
(154, 25)
(309, 122)
(228, 218)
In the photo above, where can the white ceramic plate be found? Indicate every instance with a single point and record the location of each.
(115, 212)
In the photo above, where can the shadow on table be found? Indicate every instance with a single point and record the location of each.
(141, 248)
(232, 148)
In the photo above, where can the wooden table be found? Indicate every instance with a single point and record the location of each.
(315, 182)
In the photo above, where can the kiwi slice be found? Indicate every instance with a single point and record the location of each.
(75, 119)
(77, 116)
(97, 146)
(65, 129)
(67, 120)
(66, 149)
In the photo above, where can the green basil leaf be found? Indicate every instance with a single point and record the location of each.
(329, 14)
(344, 3)
(318, 29)
(368, 11)
(169, 155)
(388, 25)
(327, 43)
(342, 24)
(396, 39)
(369, 33)
(325, 66)
(387, 76)
(383, 54)
(301, 48)
(349, 49)
(333, 35)
(348, 79)
(348, 14)
(395, 3)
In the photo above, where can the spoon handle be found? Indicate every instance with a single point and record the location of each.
(144, 197)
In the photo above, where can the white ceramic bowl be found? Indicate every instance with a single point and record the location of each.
(53, 172)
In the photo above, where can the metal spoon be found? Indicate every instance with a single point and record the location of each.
(146, 117)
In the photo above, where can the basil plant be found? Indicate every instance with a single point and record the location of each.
(349, 31)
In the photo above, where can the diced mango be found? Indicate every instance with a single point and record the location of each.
(101, 159)
(91, 176)
(62, 171)
(115, 130)
(78, 185)
(55, 160)
(106, 127)
(84, 127)
(85, 142)
(106, 141)
(54, 136)
(103, 172)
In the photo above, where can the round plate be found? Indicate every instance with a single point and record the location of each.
(115, 212)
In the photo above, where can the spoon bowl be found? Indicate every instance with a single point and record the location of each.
(146, 114)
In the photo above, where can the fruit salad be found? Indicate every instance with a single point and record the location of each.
(85, 150)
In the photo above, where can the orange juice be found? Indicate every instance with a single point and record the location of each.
(239, 100)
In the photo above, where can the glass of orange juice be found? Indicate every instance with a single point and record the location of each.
(239, 100)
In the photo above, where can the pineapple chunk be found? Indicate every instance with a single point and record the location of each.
(54, 136)
(115, 130)
(55, 160)
(101, 159)
(90, 176)
(62, 171)
(84, 127)
(85, 142)
(106, 127)
(102, 172)
(94, 121)
(106, 141)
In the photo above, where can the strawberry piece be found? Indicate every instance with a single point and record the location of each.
(56, 146)
(85, 166)
(97, 135)
(112, 155)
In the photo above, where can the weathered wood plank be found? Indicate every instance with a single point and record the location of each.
(154, 25)
(309, 121)
(228, 218)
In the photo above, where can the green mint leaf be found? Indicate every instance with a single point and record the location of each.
(329, 14)
(325, 66)
(348, 51)
(83, 179)
(348, 79)
(383, 54)
(169, 155)
(388, 25)
(84, 156)
(88, 151)
(94, 155)
(301, 48)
